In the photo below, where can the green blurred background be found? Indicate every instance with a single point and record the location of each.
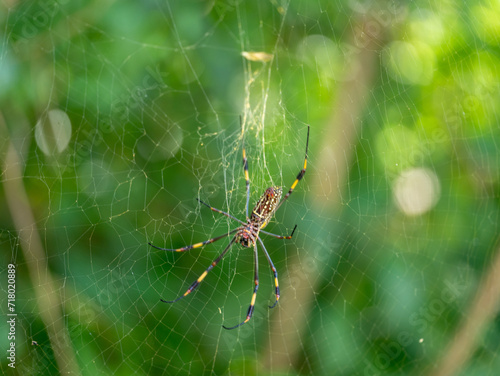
(115, 116)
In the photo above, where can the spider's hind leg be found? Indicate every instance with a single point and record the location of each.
(203, 275)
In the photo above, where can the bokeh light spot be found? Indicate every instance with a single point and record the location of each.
(416, 191)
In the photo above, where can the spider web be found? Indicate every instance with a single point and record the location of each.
(117, 116)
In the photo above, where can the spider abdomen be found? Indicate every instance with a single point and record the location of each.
(266, 206)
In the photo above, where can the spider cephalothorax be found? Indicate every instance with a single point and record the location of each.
(248, 233)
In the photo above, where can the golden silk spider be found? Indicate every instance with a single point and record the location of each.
(248, 233)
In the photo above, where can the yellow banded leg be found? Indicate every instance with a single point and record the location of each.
(247, 179)
(197, 245)
(297, 179)
(300, 175)
(203, 275)
(275, 272)
(245, 168)
(252, 303)
(254, 295)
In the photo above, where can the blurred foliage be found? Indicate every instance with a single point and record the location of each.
(153, 90)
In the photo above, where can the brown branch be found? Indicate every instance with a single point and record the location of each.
(481, 313)
(47, 296)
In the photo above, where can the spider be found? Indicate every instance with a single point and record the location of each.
(248, 234)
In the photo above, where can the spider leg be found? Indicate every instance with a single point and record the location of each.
(254, 296)
(222, 212)
(299, 176)
(203, 275)
(279, 236)
(275, 272)
(245, 169)
(197, 245)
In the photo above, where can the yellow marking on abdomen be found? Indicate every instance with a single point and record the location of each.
(257, 214)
